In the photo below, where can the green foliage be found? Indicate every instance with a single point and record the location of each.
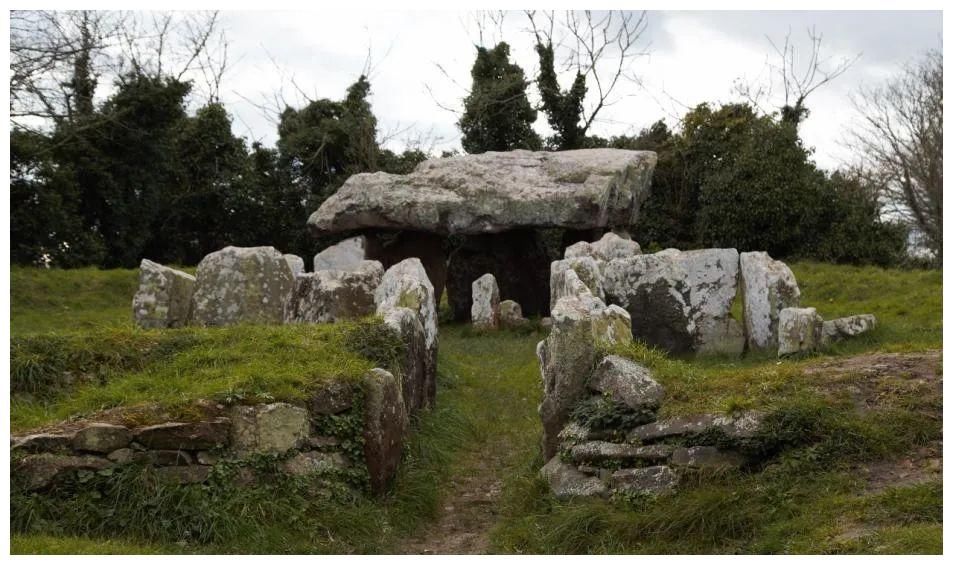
(497, 115)
(563, 108)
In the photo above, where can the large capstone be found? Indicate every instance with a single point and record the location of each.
(242, 285)
(679, 301)
(495, 192)
(485, 311)
(164, 297)
(769, 287)
(331, 295)
(342, 256)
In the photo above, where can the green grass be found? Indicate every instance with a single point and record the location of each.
(73, 545)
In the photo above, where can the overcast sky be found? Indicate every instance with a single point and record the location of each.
(691, 57)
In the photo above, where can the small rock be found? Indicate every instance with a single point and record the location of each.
(39, 471)
(705, 457)
(269, 428)
(101, 438)
(628, 382)
(511, 315)
(600, 451)
(332, 398)
(566, 481)
(46, 443)
(122, 456)
(164, 457)
(799, 331)
(314, 462)
(183, 474)
(206, 458)
(645, 480)
(844, 328)
(742, 426)
(190, 436)
(322, 442)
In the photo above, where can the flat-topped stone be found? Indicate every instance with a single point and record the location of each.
(496, 191)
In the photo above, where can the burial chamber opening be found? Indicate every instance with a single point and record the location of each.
(518, 258)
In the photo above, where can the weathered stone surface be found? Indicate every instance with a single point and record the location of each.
(627, 381)
(680, 301)
(799, 331)
(740, 426)
(242, 284)
(332, 398)
(36, 443)
(706, 457)
(546, 323)
(511, 315)
(206, 458)
(322, 443)
(163, 457)
(844, 328)
(568, 354)
(610, 247)
(190, 435)
(329, 295)
(122, 456)
(268, 428)
(561, 283)
(769, 286)
(567, 482)
(342, 256)
(183, 474)
(493, 192)
(419, 386)
(385, 422)
(39, 471)
(164, 297)
(314, 462)
(600, 451)
(485, 311)
(295, 263)
(659, 479)
(405, 285)
(101, 438)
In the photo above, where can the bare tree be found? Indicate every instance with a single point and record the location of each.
(899, 139)
(599, 47)
(799, 76)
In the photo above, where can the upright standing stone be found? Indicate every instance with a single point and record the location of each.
(328, 296)
(588, 269)
(342, 256)
(769, 287)
(385, 421)
(242, 285)
(485, 311)
(164, 297)
(799, 331)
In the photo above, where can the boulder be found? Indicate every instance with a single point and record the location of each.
(328, 295)
(185, 435)
(296, 263)
(269, 428)
(602, 451)
(511, 315)
(610, 247)
(485, 311)
(627, 381)
(163, 457)
(588, 271)
(164, 297)
(44, 442)
(39, 471)
(706, 457)
(496, 191)
(566, 481)
(679, 301)
(385, 422)
(331, 398)
(342, 256)
(659, 479)
(122, 456)
(844, 328)
(101, 438)
(581, 324)
(314, 462)
(769, 286)
(737, 427)
(799, 331)
(242, 285)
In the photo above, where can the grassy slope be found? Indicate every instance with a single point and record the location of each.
(489, 388)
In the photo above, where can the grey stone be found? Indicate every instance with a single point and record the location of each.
(655, 480)
(296, 263)
(122, 456)
(493, 192)
(565, 281)
(268, 428)
(417, 377)
(185, 435)
(706, 457)
(345, 255)
(331, 295)
(581, 325)
(322, 443)
(44, 442)
(511, 315)
(740, 426)
(385, 422)
(610, 247)
(183, 474)
(567, 482)
(601, 451)
(164, 296)
(485, 310)
(332, 397)
(101, 438)
(310, 462)
(163, 457)
(845, 328)
(39, 471)
(769, 286)
(242, 285)
(206, 458)
(627, 381)
(799, 331)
